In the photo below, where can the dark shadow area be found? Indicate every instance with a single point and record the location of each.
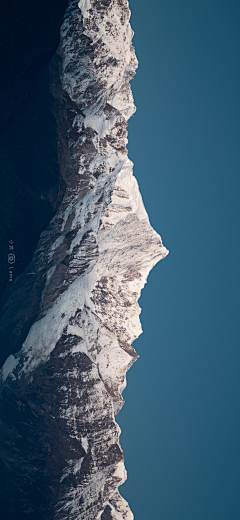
(31, 184)
(29, 37)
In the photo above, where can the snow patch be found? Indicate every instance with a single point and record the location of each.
(9, 365)
(84, 5)
(84, 441)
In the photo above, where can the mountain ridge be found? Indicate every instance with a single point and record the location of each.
(81, 288)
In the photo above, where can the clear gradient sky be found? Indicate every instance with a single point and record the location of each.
(181, 421)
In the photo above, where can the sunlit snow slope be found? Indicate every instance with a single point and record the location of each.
(90, 266)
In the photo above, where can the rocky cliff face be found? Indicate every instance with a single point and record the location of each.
(71, 317)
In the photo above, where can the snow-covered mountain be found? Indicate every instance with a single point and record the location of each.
(77, 299)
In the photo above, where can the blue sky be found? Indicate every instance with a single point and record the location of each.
(180, 423)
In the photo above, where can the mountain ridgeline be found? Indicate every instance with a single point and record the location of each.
(70, 316)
